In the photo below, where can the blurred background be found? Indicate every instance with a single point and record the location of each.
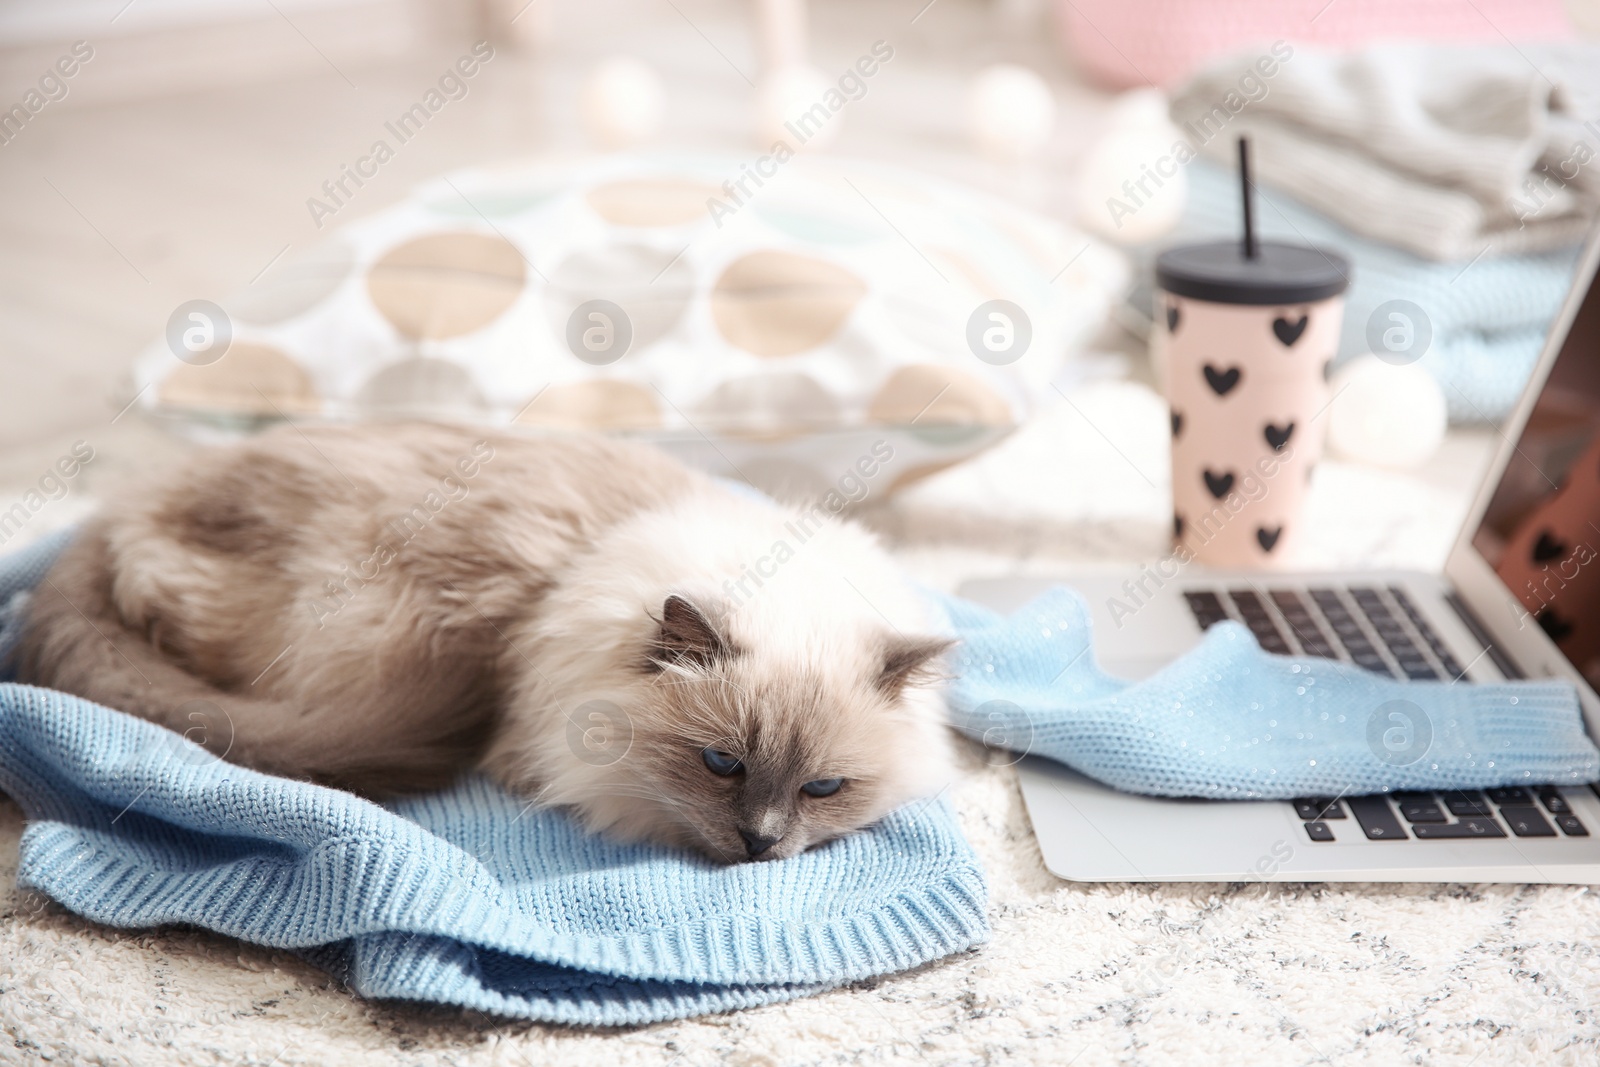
(163, 156)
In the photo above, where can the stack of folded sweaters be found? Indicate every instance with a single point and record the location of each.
(1461, 179)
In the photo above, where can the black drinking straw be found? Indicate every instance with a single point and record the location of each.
(1246, 191)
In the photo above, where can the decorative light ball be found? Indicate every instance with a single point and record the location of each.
(622, 102)
(790, 107)
(1010, 112)
(1141, 108)
(1386, 415)
(1131, 187)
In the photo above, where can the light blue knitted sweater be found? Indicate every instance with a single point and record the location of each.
(1228, 721)
(463, 897)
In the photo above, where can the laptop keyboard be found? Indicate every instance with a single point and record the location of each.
(1378, 629)
(1381, 630)
(1448, 815)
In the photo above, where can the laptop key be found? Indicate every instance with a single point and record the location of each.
(1256, 616)
(1360, 649)
(1422, 809)
(1571, 826)
(1247, 602)
(1465, 828)
(1510, 795)
(1435, 644)
(1206, 608)
(1350, 632)
(1319, 831)
(1273, 642)
(1372, 662)
(1554, 802)
(1466, 803)
(1331, 606)
(1392, 632)
(1315, 809)
(1526, 822)
(1377, 819)
(1313, 639)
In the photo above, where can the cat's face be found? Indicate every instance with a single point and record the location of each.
(742, 757)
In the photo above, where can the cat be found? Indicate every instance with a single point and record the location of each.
(380, 608)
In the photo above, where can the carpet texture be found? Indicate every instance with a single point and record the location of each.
(1087, 975)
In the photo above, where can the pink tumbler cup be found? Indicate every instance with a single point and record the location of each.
(1246, 330)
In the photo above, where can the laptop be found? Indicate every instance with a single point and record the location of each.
(1519, 598)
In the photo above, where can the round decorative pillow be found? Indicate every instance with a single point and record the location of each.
(783, 322)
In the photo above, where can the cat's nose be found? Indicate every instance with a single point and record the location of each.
(756, 844)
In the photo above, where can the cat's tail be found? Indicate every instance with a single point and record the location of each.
(75, 640)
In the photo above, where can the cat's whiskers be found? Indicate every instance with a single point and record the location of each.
(710, 844)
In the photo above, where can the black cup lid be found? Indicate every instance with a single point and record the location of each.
(1279, 274)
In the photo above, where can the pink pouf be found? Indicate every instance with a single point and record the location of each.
(1124, 43)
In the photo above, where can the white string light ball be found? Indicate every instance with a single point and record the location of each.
(1131, 186)
(622, 102)
(786, 102)
(1011, 113)
(1384, 414)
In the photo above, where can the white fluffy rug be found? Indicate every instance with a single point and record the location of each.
(1075, 974)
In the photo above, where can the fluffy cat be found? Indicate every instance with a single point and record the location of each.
(382, 607)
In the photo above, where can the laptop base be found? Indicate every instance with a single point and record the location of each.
(1398, 623)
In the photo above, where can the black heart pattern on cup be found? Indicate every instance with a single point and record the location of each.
(1177, 423)
(1554, 625)
(1222, 382)
(1172, 318)
(1220, 485)
(1276, 437)
(1547, 548)
(1177, 527)
(1289, 332)
(1268, 539)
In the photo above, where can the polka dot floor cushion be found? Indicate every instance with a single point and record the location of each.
(781, 331)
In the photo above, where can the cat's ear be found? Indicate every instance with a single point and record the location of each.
(687, 637)
(909, 661)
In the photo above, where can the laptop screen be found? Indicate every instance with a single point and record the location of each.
(1541, 532)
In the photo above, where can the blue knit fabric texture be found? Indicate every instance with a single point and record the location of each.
(1229, 721)
(465, 897)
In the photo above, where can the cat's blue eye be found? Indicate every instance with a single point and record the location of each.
(822, 787)
(720, 762)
